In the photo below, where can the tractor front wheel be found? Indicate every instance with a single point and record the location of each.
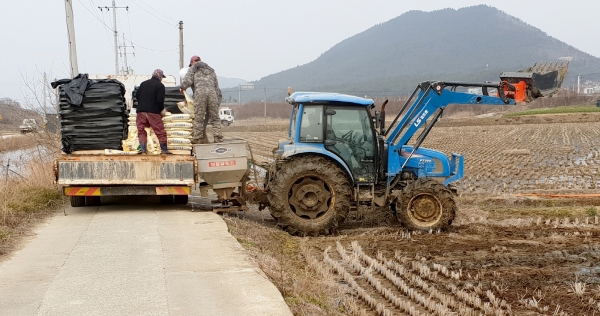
(425, 205)
(309, 196)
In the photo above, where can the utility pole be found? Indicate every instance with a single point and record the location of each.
(126, 69)
(114, 8)
(578, 82)
(265, 106)
(71, 34)
(180, 44)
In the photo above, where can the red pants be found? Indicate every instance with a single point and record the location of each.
(146, 119)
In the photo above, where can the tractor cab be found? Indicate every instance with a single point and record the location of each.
(337, 126)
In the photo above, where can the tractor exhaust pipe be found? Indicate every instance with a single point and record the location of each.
(381, 117)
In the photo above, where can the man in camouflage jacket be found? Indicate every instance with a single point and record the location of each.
(207, 99)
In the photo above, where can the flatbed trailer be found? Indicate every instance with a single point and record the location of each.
(87, 177)
(220, 167)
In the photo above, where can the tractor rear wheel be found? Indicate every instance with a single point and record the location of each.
(425, 204)
(309, 196)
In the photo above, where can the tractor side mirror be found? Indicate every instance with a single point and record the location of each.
(329, 112)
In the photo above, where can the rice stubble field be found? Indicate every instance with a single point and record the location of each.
(506, 253)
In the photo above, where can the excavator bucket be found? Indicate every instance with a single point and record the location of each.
(539, 80)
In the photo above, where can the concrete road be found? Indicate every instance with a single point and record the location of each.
(135, 260)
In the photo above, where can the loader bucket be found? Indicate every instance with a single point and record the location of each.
(539, 80)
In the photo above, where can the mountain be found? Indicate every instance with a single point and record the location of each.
(225, 82)
(469, 44)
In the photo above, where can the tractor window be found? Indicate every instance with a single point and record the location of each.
(311, 126)
(350, 129)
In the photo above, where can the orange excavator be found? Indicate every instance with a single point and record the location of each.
(539, 80)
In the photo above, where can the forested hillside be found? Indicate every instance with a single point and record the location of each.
(469, 44)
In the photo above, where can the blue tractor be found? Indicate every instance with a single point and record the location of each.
(339, 155)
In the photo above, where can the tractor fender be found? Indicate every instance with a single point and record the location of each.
(295, 150)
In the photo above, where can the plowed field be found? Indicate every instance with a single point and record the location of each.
(505, 254)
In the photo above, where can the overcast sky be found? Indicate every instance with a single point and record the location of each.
(239, 38)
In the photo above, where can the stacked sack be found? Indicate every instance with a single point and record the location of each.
(92, 113)
(179, 131)
(131, 145)
(179, 135)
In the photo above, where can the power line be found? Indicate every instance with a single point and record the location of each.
(93, 4)
(130, 34)
(101, 21)
(159, 12)
(116, 35)
(131, 42)
(150, 49)
(154, 15)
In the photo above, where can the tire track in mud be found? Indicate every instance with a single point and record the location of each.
(482, 269)
(539, 265)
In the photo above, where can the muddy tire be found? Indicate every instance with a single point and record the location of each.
(309, 196)
(77, 201)
(425, 205)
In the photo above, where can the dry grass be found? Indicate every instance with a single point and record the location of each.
(278, 255)
(17, 142)
(25, 198)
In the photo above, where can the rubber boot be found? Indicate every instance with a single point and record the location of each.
(164, 150)
(143, 148)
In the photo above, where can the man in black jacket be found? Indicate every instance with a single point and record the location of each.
(151, 109)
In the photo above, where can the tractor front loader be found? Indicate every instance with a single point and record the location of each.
(539, 80)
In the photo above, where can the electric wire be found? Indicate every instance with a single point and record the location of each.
(96, 15)
(157, 11)
(130, 34)
(154, 15)
(106, 26)
(150, 49)
(132, 43)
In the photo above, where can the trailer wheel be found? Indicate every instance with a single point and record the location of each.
(181, 199)
(77, 201)
(225, 123)
(309, 196)
(92, 201)
(166, 199)
(425, 204)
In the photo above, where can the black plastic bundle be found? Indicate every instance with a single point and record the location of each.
(99, 122)
(172, 97)
(134, 96)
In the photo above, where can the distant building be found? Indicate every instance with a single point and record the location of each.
(569, 58)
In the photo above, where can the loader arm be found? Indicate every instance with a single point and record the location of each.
(421, 112)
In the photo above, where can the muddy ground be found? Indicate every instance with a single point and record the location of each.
(505, 254)
(502, 256)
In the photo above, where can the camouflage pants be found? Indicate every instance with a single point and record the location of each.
(206, 111)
